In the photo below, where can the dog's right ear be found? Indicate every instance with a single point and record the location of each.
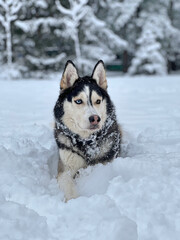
(70, 75)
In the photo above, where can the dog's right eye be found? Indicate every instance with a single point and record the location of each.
(78, 101)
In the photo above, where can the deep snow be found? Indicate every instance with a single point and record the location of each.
(134, 197)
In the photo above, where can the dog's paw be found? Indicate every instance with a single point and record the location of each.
(70, 192)
(71, 196)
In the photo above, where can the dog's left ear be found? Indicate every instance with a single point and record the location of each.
(99, 74)
(70, 75)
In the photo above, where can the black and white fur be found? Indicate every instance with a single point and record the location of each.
(86, 129)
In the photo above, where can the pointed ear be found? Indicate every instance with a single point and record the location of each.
(99, 74)
(69, 76)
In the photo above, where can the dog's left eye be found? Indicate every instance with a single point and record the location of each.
(98, 101)
(79, 101)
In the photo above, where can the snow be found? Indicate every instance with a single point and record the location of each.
(136, 196)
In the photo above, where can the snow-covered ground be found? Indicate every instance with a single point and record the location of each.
(134, 197)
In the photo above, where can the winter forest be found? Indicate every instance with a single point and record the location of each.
(141, 36)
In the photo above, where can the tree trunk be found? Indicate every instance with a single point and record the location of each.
(77, 49)
(125, 61)
(8, 40)
(170, 13)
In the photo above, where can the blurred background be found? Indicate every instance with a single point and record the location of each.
(130, 36)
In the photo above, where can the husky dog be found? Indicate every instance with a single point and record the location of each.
(86, 130)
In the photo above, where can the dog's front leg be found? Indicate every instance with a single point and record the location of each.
(67, 185)
(70, 163)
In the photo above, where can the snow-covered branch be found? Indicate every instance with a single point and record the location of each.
(3, 4)
(128, 9)
(32, 25)
(2, 21)
(63, 9)
(46, 61)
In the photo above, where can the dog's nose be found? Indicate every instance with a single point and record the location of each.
(94, 119)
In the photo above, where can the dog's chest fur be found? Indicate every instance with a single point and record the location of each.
(102, 146)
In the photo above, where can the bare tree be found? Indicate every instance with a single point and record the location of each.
(74, 15)
(8, 14)
(91, 36)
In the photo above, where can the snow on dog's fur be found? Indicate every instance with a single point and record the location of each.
(86, 130)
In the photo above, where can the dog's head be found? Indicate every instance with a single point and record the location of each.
(83, 102)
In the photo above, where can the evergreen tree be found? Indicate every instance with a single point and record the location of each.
(121, 18)
(172, 48)
(154, 42)
(41, 48)
(148, 58)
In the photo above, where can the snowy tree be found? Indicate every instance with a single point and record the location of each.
(172, 47)
(1, 44)
(73, 17)
(120, 16)
(154, 42)
(8, 14)
(125, 25)
(119, 13)
(36, 49)
(41, 49)
(99, 41)
(43, 34)
(91, 36)
(148, 58)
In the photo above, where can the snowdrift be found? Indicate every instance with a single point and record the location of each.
(134, 197)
